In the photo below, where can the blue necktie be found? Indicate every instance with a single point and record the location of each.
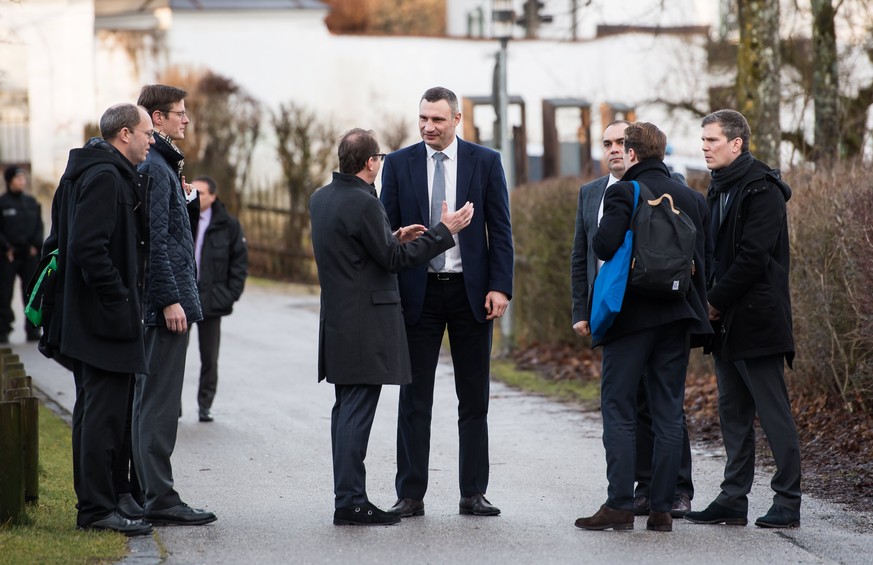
(436, 203)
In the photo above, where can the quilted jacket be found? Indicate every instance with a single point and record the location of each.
(170, 271)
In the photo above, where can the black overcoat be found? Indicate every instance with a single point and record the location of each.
(362, 336)
(99, 229)
(751, 269)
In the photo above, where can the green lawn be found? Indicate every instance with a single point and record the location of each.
(48, 534)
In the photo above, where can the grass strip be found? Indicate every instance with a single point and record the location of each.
(47, 532)
(584, 393)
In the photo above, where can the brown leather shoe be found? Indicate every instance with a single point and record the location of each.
(659, 522)
(606, 518)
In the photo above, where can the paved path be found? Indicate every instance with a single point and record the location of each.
(264, 467)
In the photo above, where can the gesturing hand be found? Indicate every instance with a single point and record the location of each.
(459, 219)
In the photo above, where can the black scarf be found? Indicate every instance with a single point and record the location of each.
(165, 146)
(723, 180)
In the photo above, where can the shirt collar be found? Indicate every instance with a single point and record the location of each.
(451, 151)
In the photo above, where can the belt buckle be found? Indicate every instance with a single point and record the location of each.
(444, 276)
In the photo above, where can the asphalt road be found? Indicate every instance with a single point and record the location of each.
(264, 468)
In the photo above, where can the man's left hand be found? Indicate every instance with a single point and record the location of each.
(495, 304)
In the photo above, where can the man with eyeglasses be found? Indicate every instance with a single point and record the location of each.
(172, 304)
(362, 341)
(98, 228)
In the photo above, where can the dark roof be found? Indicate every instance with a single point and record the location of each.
(247, 5)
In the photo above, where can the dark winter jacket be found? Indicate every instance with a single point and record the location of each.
(223, 263)
(20, 223)
(99, 229)
(640, 312)
(749, 283)
(170, 277)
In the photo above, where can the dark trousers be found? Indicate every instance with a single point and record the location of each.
(156, 404)
(645, 447)
(445, 306)
(98, 434)
(661, 355)
(745, 387)
(124, 472)
(350, 422)
(23, 267)
(209, 339)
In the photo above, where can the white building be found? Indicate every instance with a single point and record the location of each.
(62, 62)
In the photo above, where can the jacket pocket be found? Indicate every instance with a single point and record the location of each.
(385, 297)
(114, 319)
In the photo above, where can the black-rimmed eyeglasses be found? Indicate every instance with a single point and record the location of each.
(379, 156)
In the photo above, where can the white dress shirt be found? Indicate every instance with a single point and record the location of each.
(450, 165)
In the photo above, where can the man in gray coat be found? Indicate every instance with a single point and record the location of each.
(362, 337)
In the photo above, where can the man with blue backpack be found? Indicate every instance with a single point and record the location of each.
(650, 337)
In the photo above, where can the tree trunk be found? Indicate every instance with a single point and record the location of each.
(825, 82)
(758, 84)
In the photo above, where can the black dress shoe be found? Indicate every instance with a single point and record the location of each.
(681, 505)
(180, 515)
(779, 517)
(118, 523)
(477, 505)
(364, 515)
(205, 416)
(641, 506)
(715, 513)
(129, 508)
(406, 507)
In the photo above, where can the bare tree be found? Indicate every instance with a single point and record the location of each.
(825, 82)
(306, 154)
(758, 71)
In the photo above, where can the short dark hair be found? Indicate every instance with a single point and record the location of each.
(615, 122)
(211, 185)
(118, 117)
(159, 97)
(356, 146)
(733, 125)
(438, 93)
(647, 141)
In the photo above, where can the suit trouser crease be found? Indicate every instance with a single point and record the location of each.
(99, 414)
(661, 355)
(747, 387)
(645, 440)
(209, 341)
(350, 423)
(157, 402)
(445, 307)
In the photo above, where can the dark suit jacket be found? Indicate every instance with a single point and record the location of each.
(641, 312)
(583, 262)
(362, 337)
(485, 245)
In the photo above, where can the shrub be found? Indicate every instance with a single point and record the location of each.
(830, 218)
(543, 223)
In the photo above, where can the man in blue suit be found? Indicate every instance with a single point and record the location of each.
(463, 290)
